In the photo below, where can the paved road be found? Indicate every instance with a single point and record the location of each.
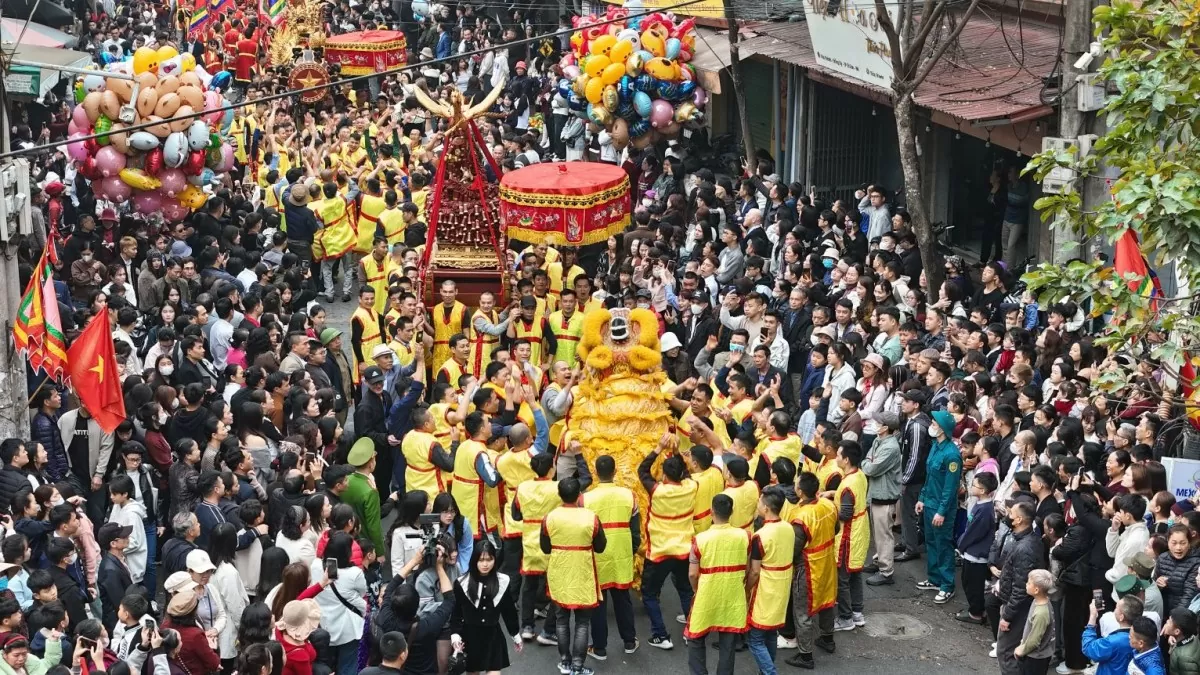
(947, 647)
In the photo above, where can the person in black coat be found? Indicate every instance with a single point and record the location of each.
(60, 552)
(370, 420)
(13, 477)
(482, 597)
(696, 327)
(113, 576)
(186, 528)
(1025, 553)
(1072, 556)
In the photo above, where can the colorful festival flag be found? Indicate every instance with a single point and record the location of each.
(92, 366)
(1128, 260)
(1191, 395)
(38, 329)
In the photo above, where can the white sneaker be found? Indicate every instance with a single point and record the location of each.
(859, 619)
(784, 643)
(992, 654)
(681, 618)
(1062, 669)
(843, 624)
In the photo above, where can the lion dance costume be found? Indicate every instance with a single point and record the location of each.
(620, 407)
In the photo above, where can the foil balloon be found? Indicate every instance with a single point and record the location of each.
(153, 162)
(660, 113)
(673, 47)
(595, 90)
(139, 179)
(175, 150)
(639, 128)
(625, 89)
(661, 69)
(700, 97)
(147, 100)
(119, 139)
(686, 112)
(220, 81)
(147, 201)
(632, 36)
(194, 164)
(621, 51)
(88, 169)
(72, 128)
(143, 141)
(613, 73)
(145, 60)
(610, 98)
(643, 83)
(91, 105)
(192, 197)
(571, 71)
(207, 176)
(197, 135)
(173, 211)
(227, 158)
(103, 126)
(110, 104)
(620, 133)
(173, 182)
(627, 112)
(669, 91)
(76, 149)
(634, 64)
(115, 189)
(641, 103)
(80, 118)
(93, 83)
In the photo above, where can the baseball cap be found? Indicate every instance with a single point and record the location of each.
(915, 395)
(699, 295)
(644, 293)
(109, 532)
(520, 66)
(109, 213)
(373, 375)
(199, 562)
(528, 302)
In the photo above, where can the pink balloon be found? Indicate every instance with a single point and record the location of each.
(212, 103)
(109, 161)
(700, 97)
(147, 202)
(173, 211)
(173, 182)
(79, 115)
(571, 71)
(72, 128)
(77, 150)
(568, 59)
(115, 189)
(227, 159)
(661, 113)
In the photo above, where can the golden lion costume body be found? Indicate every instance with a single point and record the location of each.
(620, 408)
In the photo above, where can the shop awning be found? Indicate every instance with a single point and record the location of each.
(989, 81)
(44, 12)
(30, 82)
(711, 57)
(36, 34)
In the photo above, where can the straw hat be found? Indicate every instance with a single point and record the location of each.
(300, 618)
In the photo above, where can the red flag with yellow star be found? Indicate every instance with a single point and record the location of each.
(92, 367)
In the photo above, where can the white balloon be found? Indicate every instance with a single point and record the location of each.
(205, 78)
(143, 140)
(93, 83)
(175, 150)
(197, 135)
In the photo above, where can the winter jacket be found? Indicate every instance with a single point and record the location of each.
(12, 480)
(174, 555)
(915, 444)
(114, 581)
(1181, 578)
(1025, 553)
(1150, 662)
(882, 469)
(183, 478)
(976, 539)
(34, 665)
(1100, 561)
(1112, 653)
(44, 430)
(1124, 546)
(1074, 554)
(1185, 657)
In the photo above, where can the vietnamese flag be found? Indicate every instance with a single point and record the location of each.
(92, 366)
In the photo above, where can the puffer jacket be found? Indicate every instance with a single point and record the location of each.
(1025, 553)
(1074, 553)
(183, 478)
(1185, 657)
(12, 480)
(1100, 560)
(1149, 662)
(1181, 578)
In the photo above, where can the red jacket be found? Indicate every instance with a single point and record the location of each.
(194, 652)
(298, 659)
(247, 58)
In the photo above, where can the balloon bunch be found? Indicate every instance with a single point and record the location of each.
(162, 168)
(633, 77)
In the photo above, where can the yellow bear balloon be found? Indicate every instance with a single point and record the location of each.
(192, 197)
(595, 65)
(620, 51)
(167, 52)
(139, 180)
(187, 62)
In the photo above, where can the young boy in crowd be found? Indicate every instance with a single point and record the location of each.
(1037, 643)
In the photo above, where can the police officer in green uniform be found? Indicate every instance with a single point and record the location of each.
(364, 497)
(938, 505)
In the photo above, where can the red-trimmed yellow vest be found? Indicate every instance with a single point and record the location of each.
(613, 505)
(819, 520)
(769, 600)
(536, 499)
(720, 602)
(855, 537)
(669, 523)
(571, 578)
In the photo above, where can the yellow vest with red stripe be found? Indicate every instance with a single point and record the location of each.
(392, 221)
(514, 471)
(789, 446)
(371, 338)
(377, 273)
(769, 599)
(855, 537)
(482, 344)
(478, 503)
(556, 429)
(613, 505)
(454, 373)
(745, 504)
(555, 271)
(445, 325)
(533, 333)
(720, 602)
(669, 523)
(368, 222)
(709, 484)
(336, 236)
(684, 432)
(536, 499)
(571, 579)
(421, 473)
(524, 412)
(818, 519)
(741, 410)
(825, 470)
(404, 355)
(441, 425)
(567, 333)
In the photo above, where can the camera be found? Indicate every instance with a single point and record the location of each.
(431, 527)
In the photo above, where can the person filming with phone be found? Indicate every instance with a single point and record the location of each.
(421, 622)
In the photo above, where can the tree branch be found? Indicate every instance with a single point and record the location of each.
(941, 48)
(917, 46)
(889, 29)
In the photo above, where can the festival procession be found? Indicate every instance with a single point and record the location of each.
(403, 337)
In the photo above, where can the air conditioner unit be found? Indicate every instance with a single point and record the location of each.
(1059, 179)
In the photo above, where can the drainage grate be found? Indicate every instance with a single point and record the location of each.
(896, 627)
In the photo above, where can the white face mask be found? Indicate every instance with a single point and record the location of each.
(86, 257)
(934, 430)
(166, 370)
(697, 309)
(643, 305)
(57, 501)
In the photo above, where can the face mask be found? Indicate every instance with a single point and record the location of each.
(86, 257)
(643, 305)
(166, 370)
(697, 309)
(933, 430)
(887, 246)
(737, 348)
(827, 263)
(71, 559)
(57, 501)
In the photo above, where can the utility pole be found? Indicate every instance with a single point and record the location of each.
(14, 389)
(1054, 244)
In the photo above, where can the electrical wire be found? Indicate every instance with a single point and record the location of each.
(337, 83)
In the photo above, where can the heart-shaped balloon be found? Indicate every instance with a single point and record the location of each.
(194, 164)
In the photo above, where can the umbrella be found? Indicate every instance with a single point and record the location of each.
(36, 35)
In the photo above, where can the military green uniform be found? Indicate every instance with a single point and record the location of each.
(364, 498)
(943, 469)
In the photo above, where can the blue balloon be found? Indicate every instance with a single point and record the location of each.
(627, 112)
(207, 176)
(668, 90)
(686, 89)
(625, 89)
(639, 128)
(673, 47)
(564, 89)
(644, 83)
(646, 56)
(221, 81)
(575, 103)
(641, 103)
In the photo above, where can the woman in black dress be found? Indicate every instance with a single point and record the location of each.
(482, 597)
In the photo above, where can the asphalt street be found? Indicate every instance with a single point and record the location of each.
(906, 633)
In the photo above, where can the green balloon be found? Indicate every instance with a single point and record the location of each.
(79, 92)
(214, 141)
(102, 127)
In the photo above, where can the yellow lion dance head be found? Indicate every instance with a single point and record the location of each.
(620, 337)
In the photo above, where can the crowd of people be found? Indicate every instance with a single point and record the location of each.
(835, 416)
